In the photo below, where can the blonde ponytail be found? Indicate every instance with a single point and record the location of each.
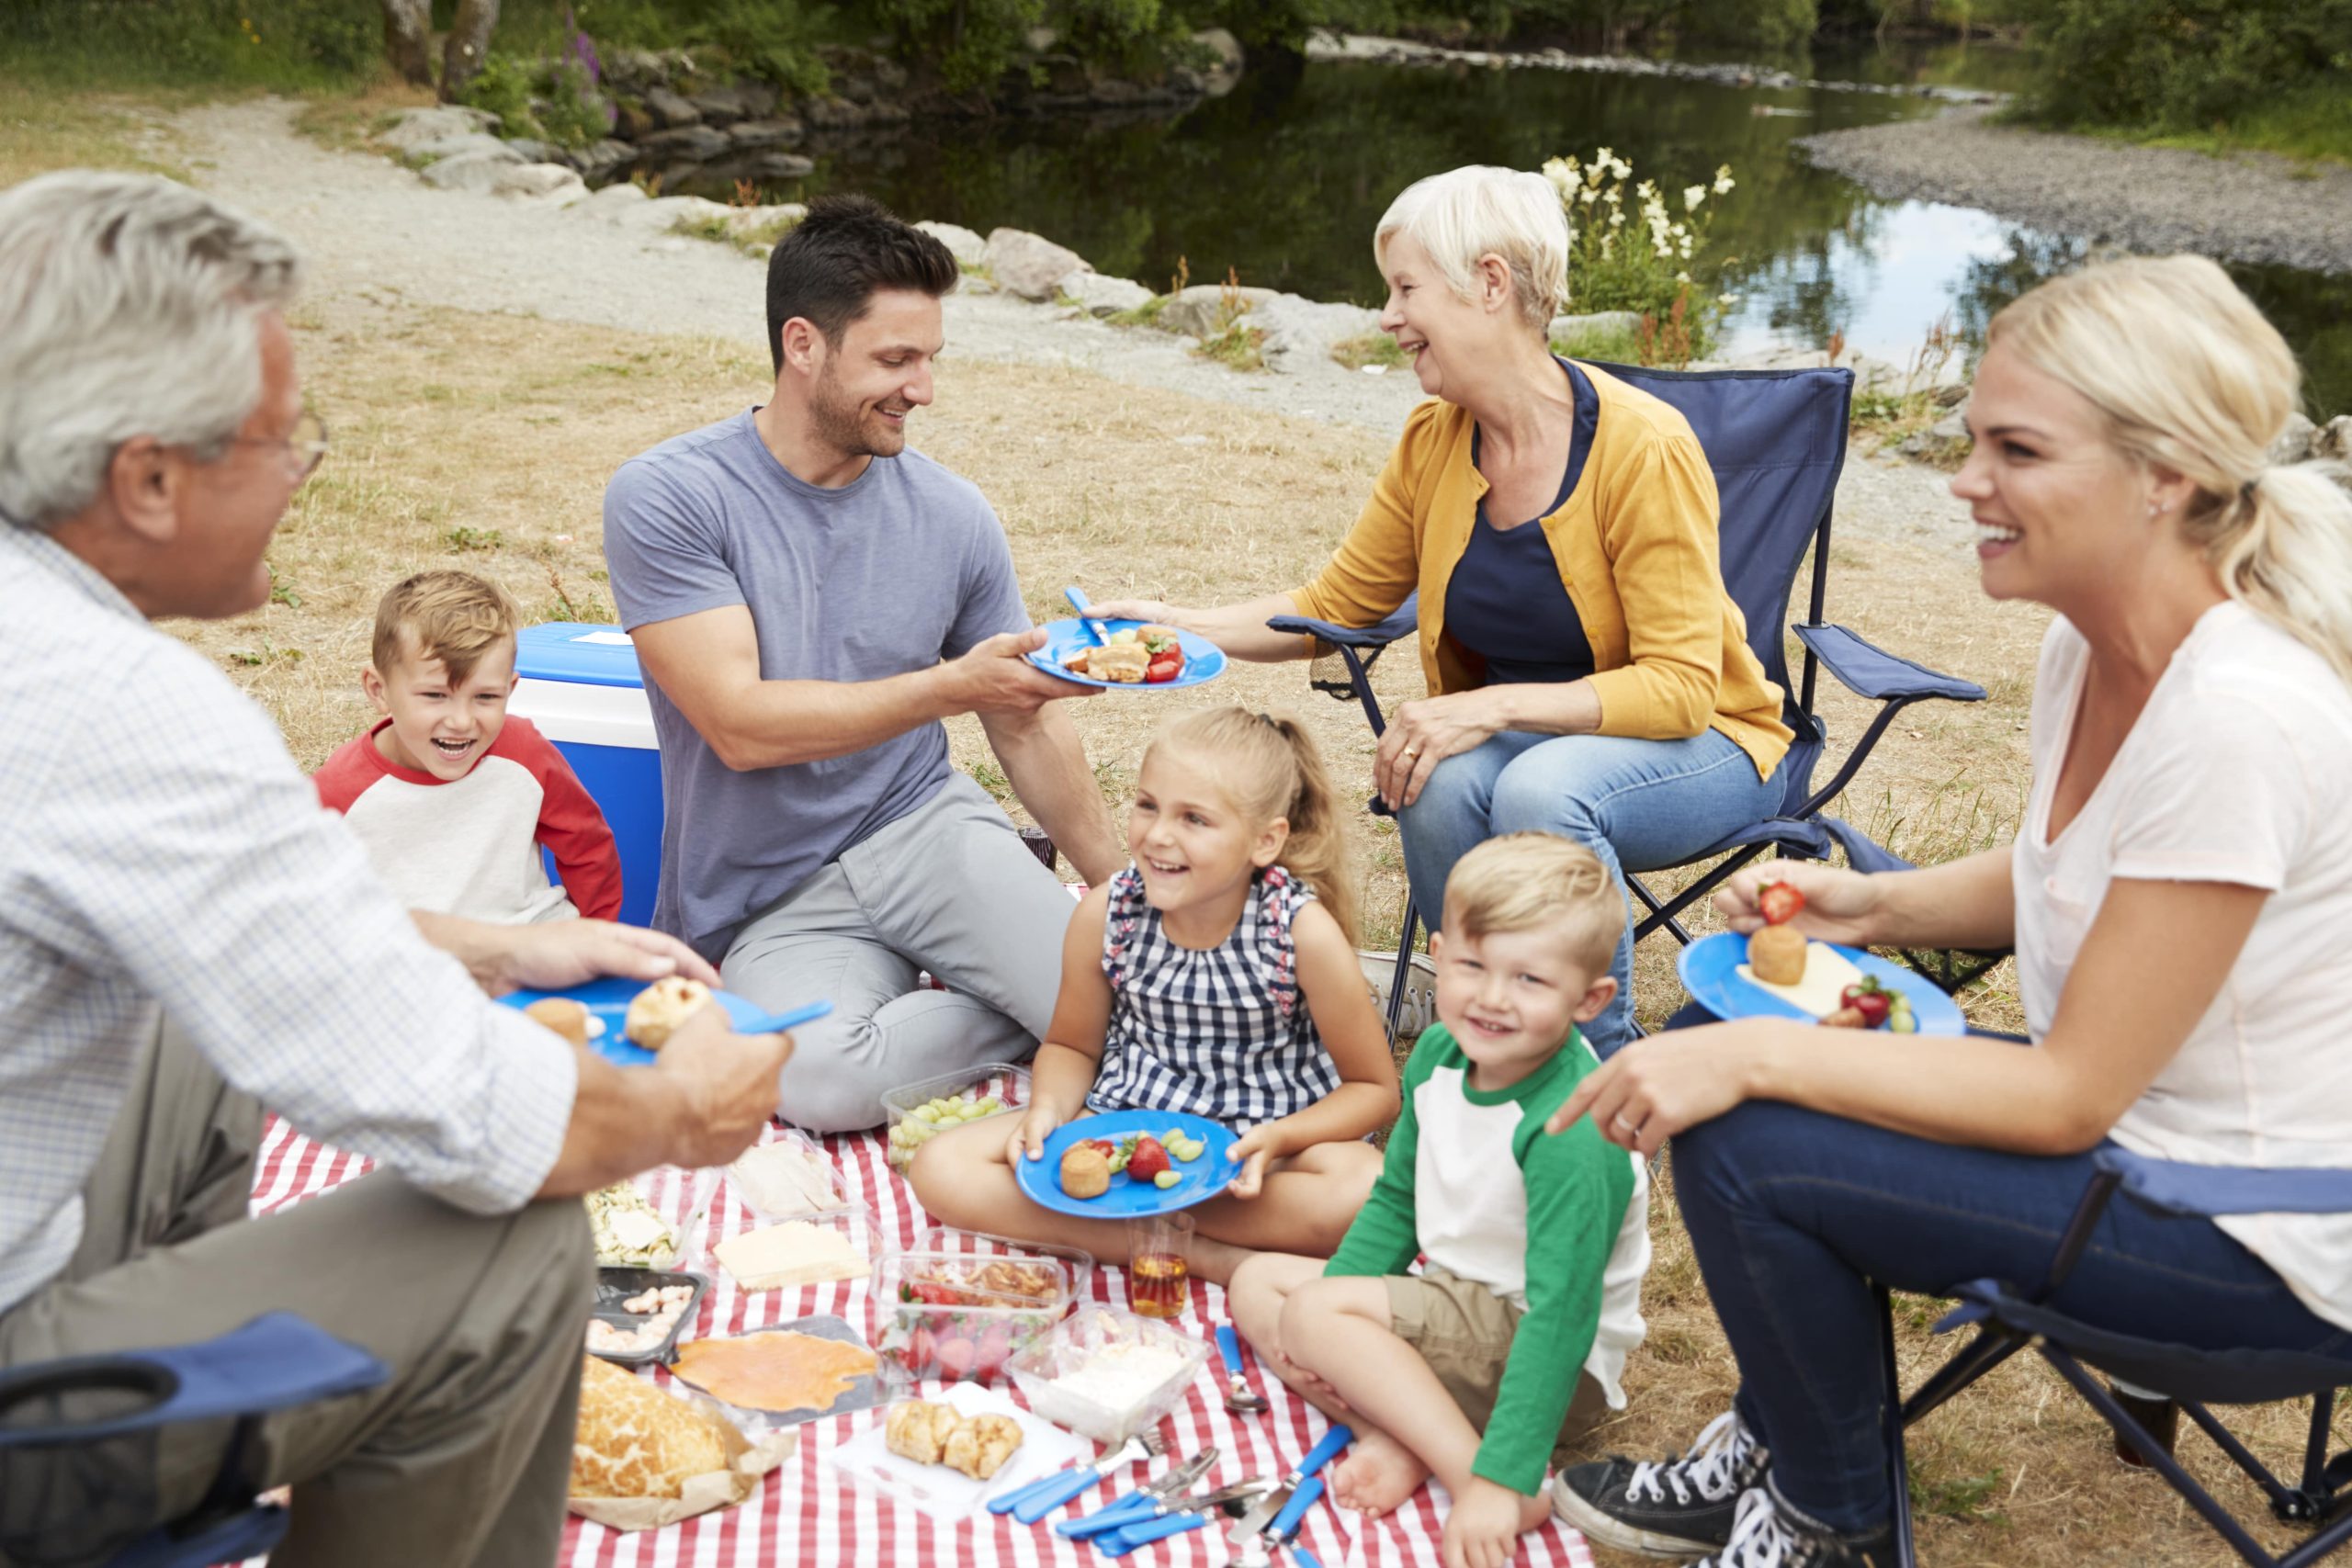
(1272, 767)
(2190, 377)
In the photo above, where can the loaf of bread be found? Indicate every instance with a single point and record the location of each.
(636, 1441)
(661, 1007)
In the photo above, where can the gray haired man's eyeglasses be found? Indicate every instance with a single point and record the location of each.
(305, 447)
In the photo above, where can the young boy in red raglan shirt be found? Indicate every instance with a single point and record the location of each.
(452, 798)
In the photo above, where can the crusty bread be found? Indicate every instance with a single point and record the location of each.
(661, 1007)
(636, 1441)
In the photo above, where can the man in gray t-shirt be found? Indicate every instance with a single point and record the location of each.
(809, 599)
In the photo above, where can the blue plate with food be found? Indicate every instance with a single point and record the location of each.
(1139, 656)
(625, 1021)
(1124, 1165)
(1817, 982)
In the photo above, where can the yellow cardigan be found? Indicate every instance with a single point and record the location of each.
(1635, 544)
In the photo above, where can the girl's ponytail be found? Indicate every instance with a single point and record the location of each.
(1272, 768)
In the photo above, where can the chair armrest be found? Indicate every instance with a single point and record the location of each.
(274, 1362)
(1868, 671)
(1380, 634)
(2176, 1187)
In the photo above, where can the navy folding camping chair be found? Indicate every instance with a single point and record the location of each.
(1776, 440)
(78, 1439)
(2010, 1318)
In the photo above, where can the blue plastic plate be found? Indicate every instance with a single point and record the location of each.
(1204, 660)
(607, 1001)
(1200, 1179)
(1709, 969)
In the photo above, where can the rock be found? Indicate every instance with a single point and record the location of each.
(744, 100)
(1201, 311)
(608, 203)
(2294, 443)
(630, 121)
(1040, 39)
(507, 175)
(1595, 323)
(470, 144)
(669, 109)
(534, 152)
(779, 165)
(637, 70)
(974, 284)
(744, 222)
(1104, 295)
(1225, 60)
(695, 143)
(2333, 441)
(765, 132)
(1299, 332)
(603, 160)
(550, 185)
(833, 114)
(966, 247)
(627, 206)
(1029, 264)
(416, 128)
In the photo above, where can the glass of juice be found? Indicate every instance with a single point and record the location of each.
(1157, 1244)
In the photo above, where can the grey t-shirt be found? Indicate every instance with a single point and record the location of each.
(904, 566)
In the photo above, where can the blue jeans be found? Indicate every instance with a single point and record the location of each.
(1793, 1213)
(1638, 804)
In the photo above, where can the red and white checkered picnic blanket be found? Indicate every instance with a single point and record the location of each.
(805, 1514)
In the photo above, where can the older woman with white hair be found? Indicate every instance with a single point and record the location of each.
(1588, 674)
(2181, 898)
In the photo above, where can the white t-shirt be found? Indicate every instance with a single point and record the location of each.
(2236, 770)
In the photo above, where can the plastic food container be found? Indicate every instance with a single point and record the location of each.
(927, 1109)
(616, 1285)
(786, 1201)
(1040, 1373)
(957, 1304)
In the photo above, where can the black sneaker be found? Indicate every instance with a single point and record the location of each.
(1768, 1533)
(1675, 1507)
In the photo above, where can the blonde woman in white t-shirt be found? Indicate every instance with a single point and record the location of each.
(2180, 895)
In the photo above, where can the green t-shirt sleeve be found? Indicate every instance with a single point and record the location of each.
(1579, 1185)
(1385, 1237)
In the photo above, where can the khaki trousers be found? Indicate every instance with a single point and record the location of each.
(461, 1458)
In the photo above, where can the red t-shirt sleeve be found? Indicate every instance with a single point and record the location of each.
(571, 826)
(347, 775)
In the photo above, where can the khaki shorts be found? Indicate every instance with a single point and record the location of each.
(1464, 1331)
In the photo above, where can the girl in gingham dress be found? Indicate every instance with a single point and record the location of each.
(1216, 976)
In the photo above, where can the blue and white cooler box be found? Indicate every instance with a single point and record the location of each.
(581, 685)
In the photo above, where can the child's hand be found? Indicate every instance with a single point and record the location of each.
(1028, 1139)
(1484, 1529)
(1251, 1152)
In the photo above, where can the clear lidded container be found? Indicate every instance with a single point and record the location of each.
(923, 1109)
(956, 1305)
(1079, 1345)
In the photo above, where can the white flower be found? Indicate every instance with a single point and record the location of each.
(1616, 217)
(1602, 159)
(1692, 197)
(1727, 301)
(1589, 196)
(1723, 181)
(1620, 168)
(1681, 277)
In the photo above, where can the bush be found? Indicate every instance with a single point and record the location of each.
(547, 100)
(1644, 259)
(291, 44)
(2184, 64)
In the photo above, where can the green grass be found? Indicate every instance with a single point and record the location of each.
(1144, 315)
(1614, 347)
(2314, 126)
(1239, 347)
(283, 46)
(1372, 348)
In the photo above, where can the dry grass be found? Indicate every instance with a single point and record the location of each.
(484, 441)
(43, 128)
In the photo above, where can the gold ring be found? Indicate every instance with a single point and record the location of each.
(1412, 751)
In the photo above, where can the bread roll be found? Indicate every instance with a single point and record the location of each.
(563, 1015)
(636, 1441)
(1777, 954)
(661, 1007)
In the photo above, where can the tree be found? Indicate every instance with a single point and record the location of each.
(469, 47)
(406, 24)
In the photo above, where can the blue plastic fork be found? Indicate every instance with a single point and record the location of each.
(779, 1023)
(1079, 602)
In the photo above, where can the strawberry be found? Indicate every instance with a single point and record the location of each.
(1871, 999)
(1148, 1160)
(1779, 902)
(956, 1357)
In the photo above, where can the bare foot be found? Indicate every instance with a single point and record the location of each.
(1205, 1258)
(1376, 1475)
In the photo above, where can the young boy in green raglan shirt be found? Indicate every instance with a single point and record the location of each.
(1530, 1298)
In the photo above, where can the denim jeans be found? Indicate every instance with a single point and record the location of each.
(1793, 1213)
(1637, 803)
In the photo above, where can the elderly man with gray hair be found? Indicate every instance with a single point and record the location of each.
(186, 937)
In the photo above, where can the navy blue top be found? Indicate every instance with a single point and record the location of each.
(1505, 601)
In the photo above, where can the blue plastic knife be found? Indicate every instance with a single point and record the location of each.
(1078, 602)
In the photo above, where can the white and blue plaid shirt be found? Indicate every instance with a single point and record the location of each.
(159, 846)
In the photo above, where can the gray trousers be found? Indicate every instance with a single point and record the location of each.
(461, 1460)
(949, 888)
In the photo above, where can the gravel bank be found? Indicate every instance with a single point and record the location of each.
(2250, 207)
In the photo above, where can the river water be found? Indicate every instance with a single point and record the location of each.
(1283, 181)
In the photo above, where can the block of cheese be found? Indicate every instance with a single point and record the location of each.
(1827, 973)
(794, 1253)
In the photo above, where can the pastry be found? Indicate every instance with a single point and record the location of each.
(779, 1370)
(661, 1007)
(794, 1253)
(1777, 953)
(561, 1014)
(919, 1431)
(633, 1441)
(1085, 1172)
(981, 1446)
(1121, 662)
(940, 1434)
